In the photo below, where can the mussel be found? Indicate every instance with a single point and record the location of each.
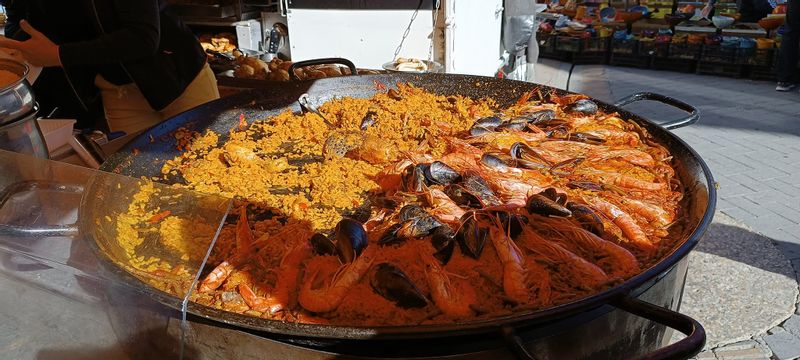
(351, 239)
(461, 196)
(585, 106)
(540, 116)
(389, 237)
(586, 138)
(443, 240)
(588, 219)
(391, 283)
(511, 125)
(471, 237)
(369, 119)
(414, 178)
(542, 205)
(479, 130)
(522, 151)
(489, 122)
(512, 223)
(552, 194)
(415, 222)
(321, 245)
(494, 161)
(439, 173)
(478, 187)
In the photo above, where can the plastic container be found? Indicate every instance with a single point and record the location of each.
(57, 132)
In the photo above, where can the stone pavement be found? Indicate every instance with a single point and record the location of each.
(741, 286)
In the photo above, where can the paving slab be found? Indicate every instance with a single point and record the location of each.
(739, 284)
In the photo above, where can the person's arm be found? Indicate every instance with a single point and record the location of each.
(137, 37)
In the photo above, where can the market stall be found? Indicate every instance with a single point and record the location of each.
(684, 36)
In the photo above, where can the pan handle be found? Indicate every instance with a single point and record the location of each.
(304, 63)
(692, 118)
(683, 349)
(37, 230)
(691, 345)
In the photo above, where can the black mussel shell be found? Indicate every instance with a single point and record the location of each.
(585, 106)
(517, 126)
(412, 211)
(414, 178)
(351, 239)
(513, 224)
(461, 196)
(390, 237)
(443, 240)
(479, 188)
(471, 238)
(493, 161)
(368, 120)
(391, 283)
(489, 122)
(550, 193)
(524, 152)
(417, 227)
(584, 185)
(586, 138)
(439, 173)
(479, 130)
(588, 219)
(542, 205)
(321, 245)
(541, 116)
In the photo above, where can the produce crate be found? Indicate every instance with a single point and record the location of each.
(717, 54)
(596, 45)
(626, 47)
(655, 49)
(756, 57)
(570, 44)
(730, 70)
(684, 51)
(768, 71)
(679, 65)
(547, 43)
(629, 53)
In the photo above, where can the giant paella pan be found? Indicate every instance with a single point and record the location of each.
(388, 207)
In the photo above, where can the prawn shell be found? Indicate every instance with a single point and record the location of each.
(392, 284)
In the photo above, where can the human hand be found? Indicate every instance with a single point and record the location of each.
(38, 50)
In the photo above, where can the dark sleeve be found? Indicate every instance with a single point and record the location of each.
(16, 10)
(137, 36)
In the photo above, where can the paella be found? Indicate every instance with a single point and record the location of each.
(415, 208)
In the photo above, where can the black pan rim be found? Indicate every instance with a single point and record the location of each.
(530, 318)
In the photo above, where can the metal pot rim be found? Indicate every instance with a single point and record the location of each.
(12, 65)
(631, 286)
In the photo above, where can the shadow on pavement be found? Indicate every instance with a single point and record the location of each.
(747, 247)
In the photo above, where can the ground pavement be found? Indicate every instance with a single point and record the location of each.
(742, 284)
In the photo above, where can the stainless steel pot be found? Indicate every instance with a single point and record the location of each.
(19, 131)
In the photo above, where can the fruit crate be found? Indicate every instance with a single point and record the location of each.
(720, 69)
(756, 57)
(629, 53)
(547, 47)
(583, 51)
(684, 51)
(655, 49)
(679, 65)
(768, 71)
(625, 47)
(718, 54)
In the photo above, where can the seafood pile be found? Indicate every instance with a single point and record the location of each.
(454, 210)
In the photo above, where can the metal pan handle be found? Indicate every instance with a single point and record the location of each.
(691, 345)
(692, 118)
(37, 230)
(304, 63)
(683, 349)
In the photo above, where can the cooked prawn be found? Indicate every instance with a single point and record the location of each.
(453, 299)
(629, 227)
(330, 296)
